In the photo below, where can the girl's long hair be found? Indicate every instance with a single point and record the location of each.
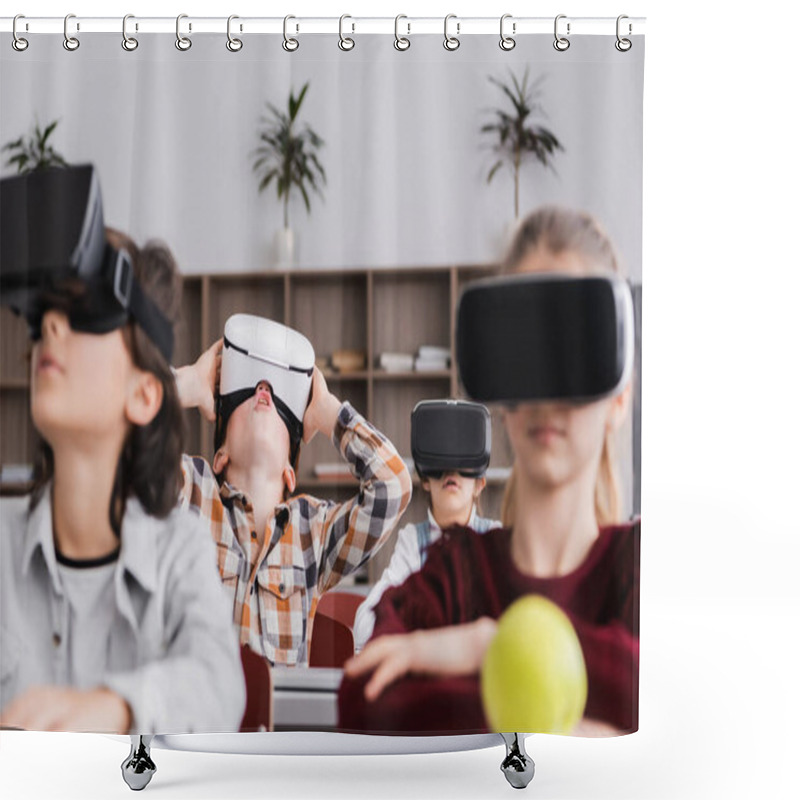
(559, 230)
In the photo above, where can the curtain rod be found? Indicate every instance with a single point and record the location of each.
(407, 26)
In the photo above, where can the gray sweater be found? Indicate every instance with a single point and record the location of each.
(171, 650)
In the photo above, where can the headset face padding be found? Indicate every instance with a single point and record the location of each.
(256, 349)
(545, 336)
(451, 436)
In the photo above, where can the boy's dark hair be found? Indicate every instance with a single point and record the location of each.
(149, 466)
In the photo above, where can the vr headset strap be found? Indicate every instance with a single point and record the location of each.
(227, 404)
(134, 300)
(151, 320)
(251, 354)
(293, 425)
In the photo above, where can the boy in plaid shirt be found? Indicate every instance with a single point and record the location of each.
(277, 554)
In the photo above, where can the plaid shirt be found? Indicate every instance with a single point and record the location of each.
(309, 544)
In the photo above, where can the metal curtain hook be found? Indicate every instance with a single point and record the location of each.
(18, 43)
(289, 44)
(346, 42)
(233, 44)
(129, 43)
(182, 42)
(507, 42)
(401, 42)
(623, 45)
(451, 42)
(561, 43)
(70, 42)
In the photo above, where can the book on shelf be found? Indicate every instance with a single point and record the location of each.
(431, 365)
(396, 362)
(433, 352)
(432, 358)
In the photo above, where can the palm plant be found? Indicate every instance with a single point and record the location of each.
(33, 152)
(288, 154)
(518, 141)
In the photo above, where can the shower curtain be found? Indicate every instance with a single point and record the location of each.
(349, 186)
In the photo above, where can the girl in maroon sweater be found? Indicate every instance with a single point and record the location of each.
(562, 539)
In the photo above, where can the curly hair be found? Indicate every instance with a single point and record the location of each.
(149, 466)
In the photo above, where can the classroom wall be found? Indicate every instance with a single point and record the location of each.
(173, 134)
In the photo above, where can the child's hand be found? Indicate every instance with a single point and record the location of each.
(198, 382)
(322, 411)
(455, 650)
(58, 708)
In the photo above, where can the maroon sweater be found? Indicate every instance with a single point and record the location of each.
(468, 576)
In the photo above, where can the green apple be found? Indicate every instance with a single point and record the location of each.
(533, 678)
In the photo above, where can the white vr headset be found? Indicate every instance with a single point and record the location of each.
(257, 349)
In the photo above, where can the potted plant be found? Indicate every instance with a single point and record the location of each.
(33, 152)
(517, 139)
(287, 158)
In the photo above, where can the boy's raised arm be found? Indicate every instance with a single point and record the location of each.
(351, 532)
(197, 382)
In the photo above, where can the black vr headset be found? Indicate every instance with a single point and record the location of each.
(450, 436)
(54, 254)
(545, 337)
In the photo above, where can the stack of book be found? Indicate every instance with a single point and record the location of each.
(396, 362)
(432, 359)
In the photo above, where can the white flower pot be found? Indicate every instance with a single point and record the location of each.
(285, 248)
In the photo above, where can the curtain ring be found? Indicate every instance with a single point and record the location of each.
(129, 43)
(289, 44)
(623, 45)
(451, 42)
(507, 42)
(233, 44)
(183, 43)
(346, 43)
(561, 43)
(401, 42)
(18, 43)
(70, 42)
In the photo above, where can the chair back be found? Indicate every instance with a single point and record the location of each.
(341, 606)
(331, 642)
(258, 682)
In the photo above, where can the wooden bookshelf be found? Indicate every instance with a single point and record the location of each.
(17, 436)
(374, 310)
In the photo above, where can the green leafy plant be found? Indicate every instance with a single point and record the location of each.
(33, 152)
(287, 154)
(517, 139)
